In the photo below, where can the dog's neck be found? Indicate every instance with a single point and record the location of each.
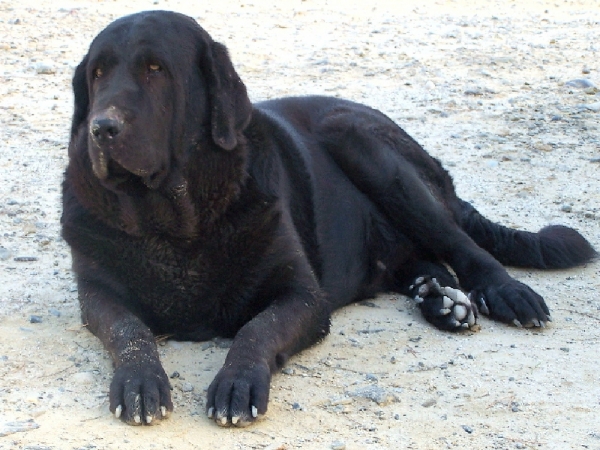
(189, 202)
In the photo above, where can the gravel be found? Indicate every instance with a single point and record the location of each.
(505, 97)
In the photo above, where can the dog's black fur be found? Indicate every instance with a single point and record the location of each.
(193, 213)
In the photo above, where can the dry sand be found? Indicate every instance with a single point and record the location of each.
(484, 86)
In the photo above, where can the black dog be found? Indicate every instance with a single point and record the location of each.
(193, 213)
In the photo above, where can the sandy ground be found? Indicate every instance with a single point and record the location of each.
(490, 88)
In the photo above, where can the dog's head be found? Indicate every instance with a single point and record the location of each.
(151, 85)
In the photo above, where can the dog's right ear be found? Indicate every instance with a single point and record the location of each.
(230, 107)
(81, 95)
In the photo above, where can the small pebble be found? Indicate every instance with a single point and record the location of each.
(467, 428)
(566, 208)
(35, 319)
(25, 258)
(175, 375)
(429, 403)
(338, 445)
(54, 312)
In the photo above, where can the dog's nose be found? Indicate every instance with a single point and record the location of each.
(104, 128)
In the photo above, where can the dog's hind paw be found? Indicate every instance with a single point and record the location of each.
(512, 302)
(445, 307)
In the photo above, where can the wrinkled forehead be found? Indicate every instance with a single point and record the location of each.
(163, 34)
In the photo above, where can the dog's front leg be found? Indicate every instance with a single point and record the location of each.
(293, 322)
(140, 389)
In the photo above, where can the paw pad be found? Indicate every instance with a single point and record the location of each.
(444, 306)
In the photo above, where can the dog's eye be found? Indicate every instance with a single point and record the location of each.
(98, 72)
(154, 68)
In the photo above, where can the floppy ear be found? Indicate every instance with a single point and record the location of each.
(230, 107)
(80, 92)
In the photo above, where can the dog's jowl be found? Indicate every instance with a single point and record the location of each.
(193, 213)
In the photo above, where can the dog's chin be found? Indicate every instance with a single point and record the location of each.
(132, 182)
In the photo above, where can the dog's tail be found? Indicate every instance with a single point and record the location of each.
(553, 247)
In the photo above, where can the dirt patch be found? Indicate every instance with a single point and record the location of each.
(490, 88)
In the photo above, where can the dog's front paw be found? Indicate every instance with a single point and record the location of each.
(445, 307)
(512, 302)
(239, 394)
(140, 393)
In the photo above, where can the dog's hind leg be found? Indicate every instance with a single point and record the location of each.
(392, 170)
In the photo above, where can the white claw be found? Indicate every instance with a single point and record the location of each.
(536, 322)
(445, 311)
(471, 319)
(148, 419)
(419, 280)
(210, 413)
(411, 287)
(465, 325)
(419, 299)
(460, 312)
(423, 290)
(235, 420)
(137, 419)
(163, 411)
(457, 324)
(517, 323)
(448, 302)
(483, 307)
(223, 420)
(254, 411)
(118, 411)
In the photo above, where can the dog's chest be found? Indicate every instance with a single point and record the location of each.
(197, 286)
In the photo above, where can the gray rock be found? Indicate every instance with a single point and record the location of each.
(186, 387)
(595, 107)
(377, 394)
(7, 428)
(83, 378)
(45, 69)
(580, 83)
(4, 254)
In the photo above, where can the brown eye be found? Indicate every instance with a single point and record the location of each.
(154, 68)
(98, 73)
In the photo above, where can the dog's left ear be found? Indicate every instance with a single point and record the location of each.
(81, 95)
(230, 107)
